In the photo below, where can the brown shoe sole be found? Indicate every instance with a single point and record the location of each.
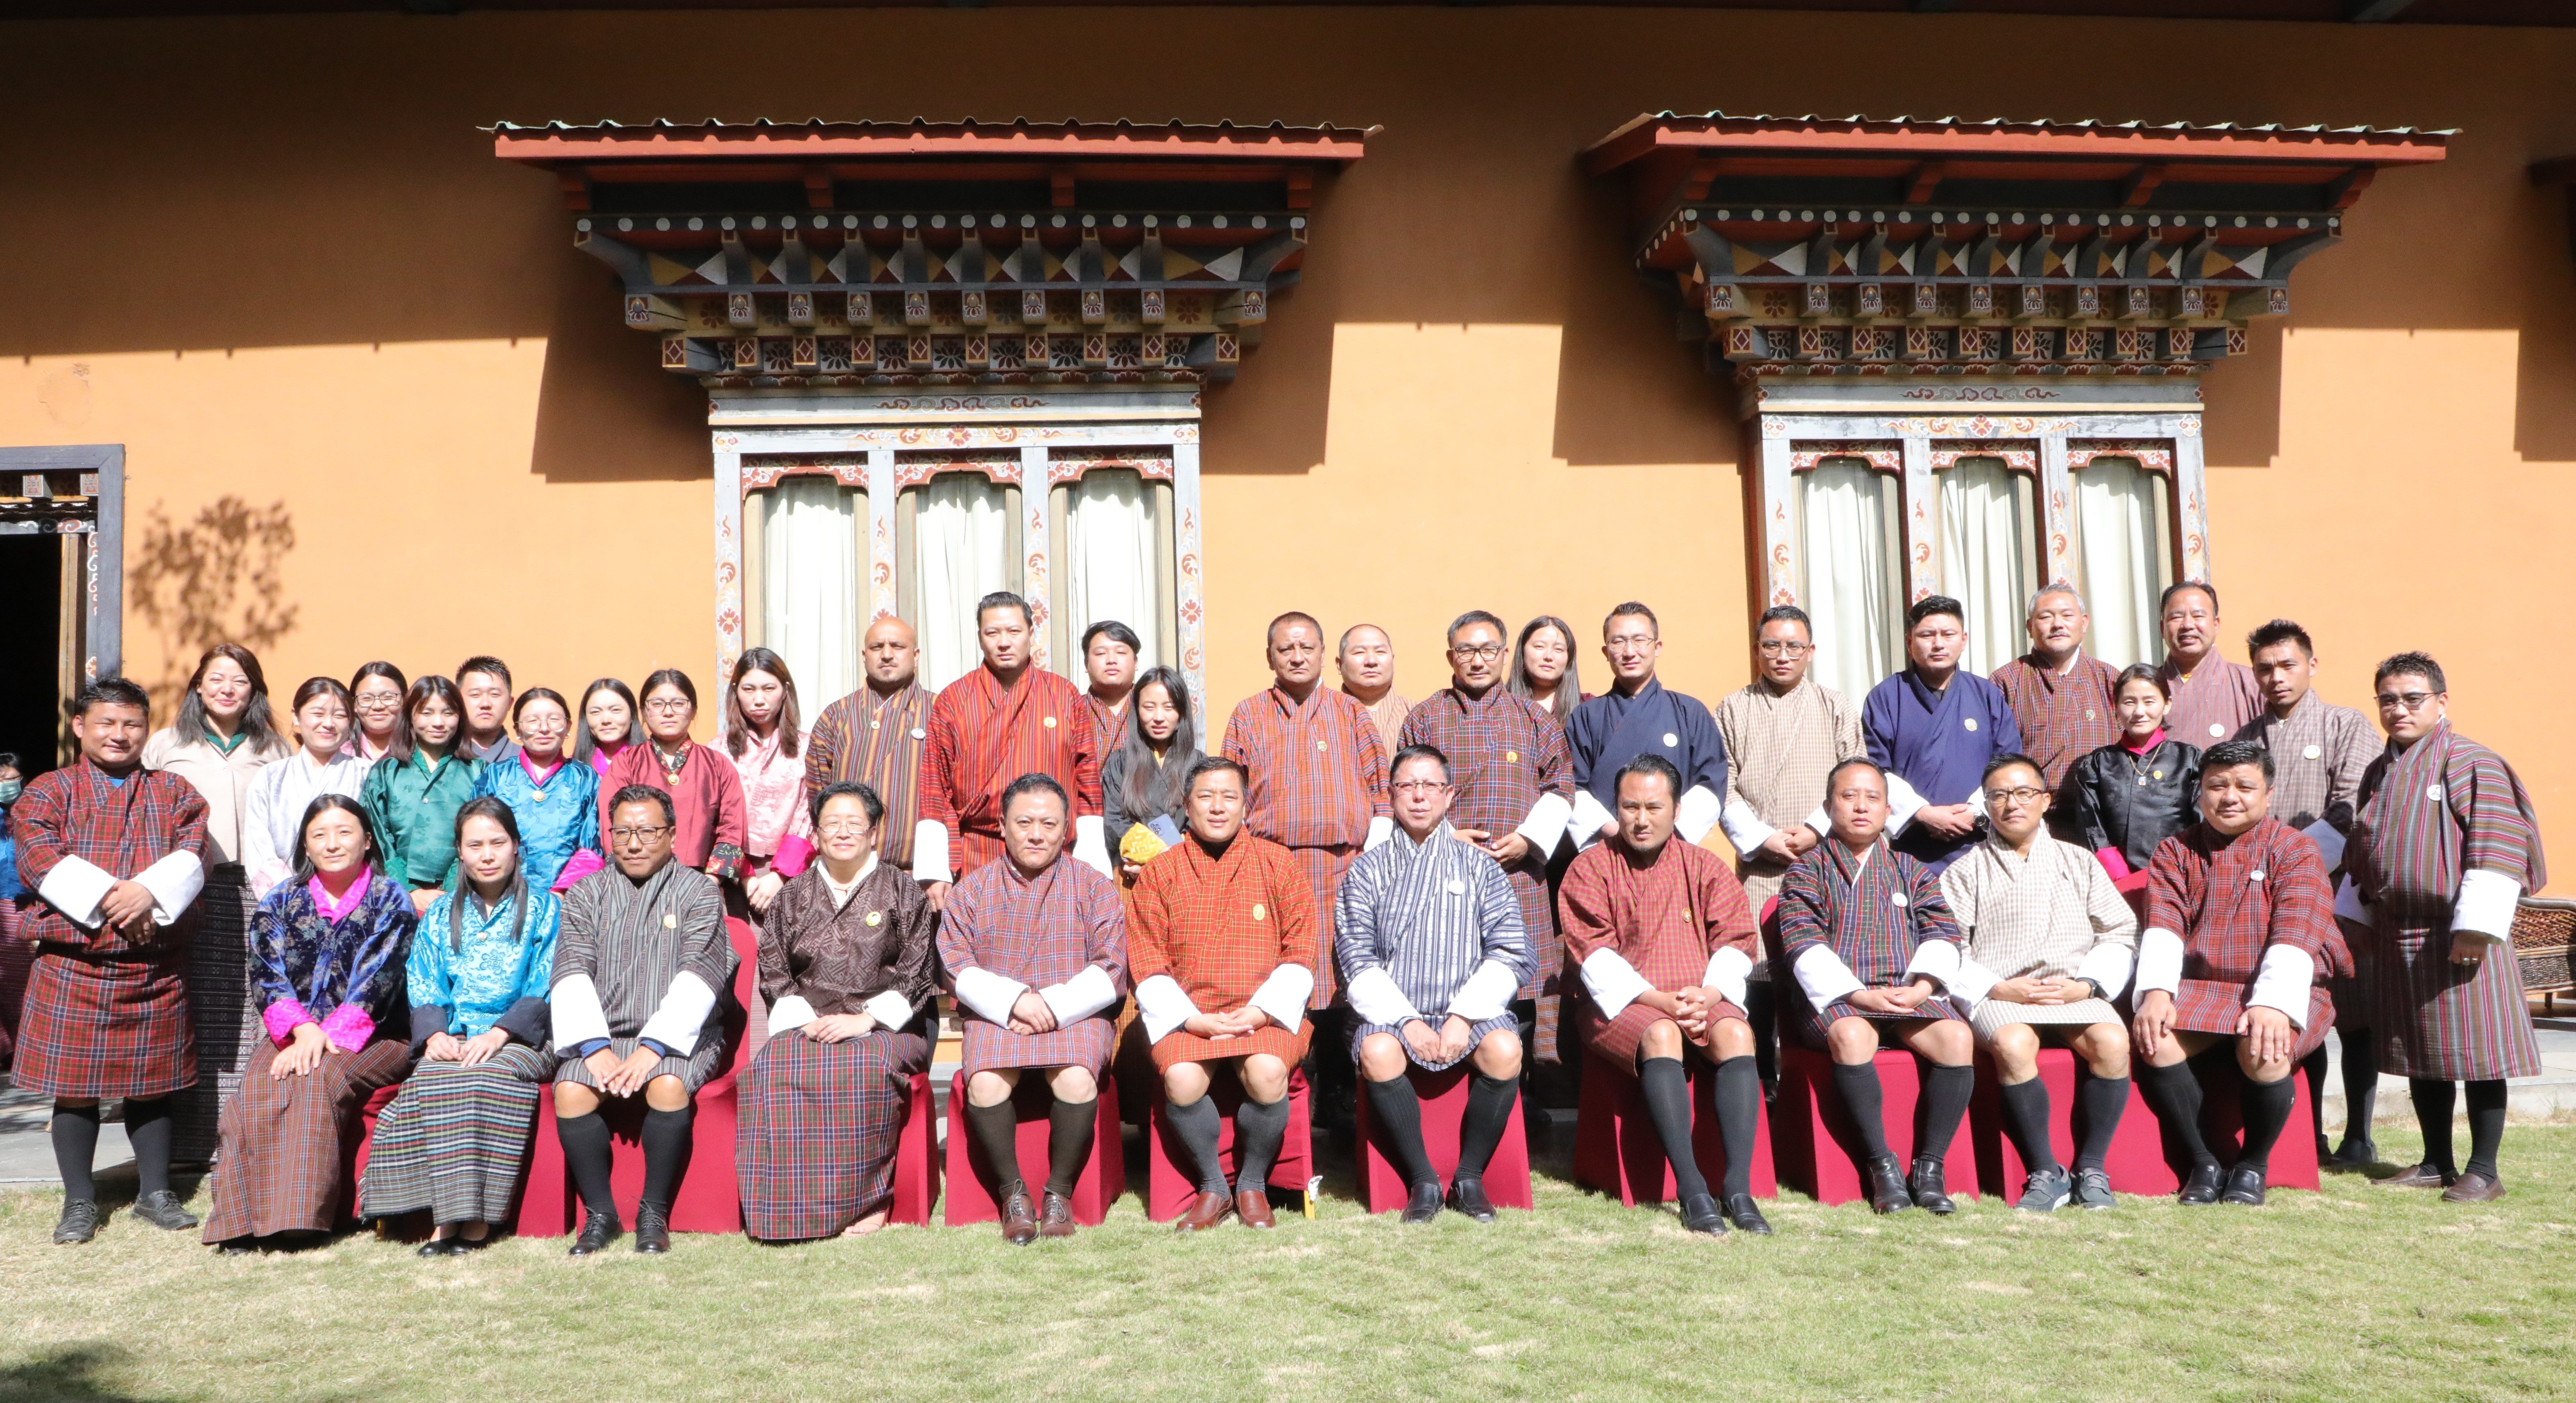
(2415, 1177)
(2474, 1189)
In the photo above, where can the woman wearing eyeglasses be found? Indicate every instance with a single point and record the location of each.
(376, 722)
(554, 800)
(709, 814)
(2139, 790)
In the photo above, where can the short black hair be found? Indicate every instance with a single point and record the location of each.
(2164, 601)
(1118, 632)
(1034, 782)
(1472, 616)
(2411, 664)
(2228, 754)
(643, 794)
(1932, 604)
(1419, 752)
(867, 797)
(484, 663)
(2006, 762)
(2276, 633)
(1786, 613)
(1837, 772)
(110, 691)
(1003, 599)
(1293, 616)
(1631, 609)
(1650, 764)
(1208, 765)
(2141, 672)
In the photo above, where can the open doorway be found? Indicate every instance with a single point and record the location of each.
(61, 596)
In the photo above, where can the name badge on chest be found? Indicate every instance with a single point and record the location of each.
(1897, 897)
(1456, 887)
(669, 921)
(1971, 723)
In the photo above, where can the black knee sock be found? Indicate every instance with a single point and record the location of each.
(2360, 1085)
(1946, 1092)
(2267, 1106)
(2313, 1067)
(1069, 1130)
(147, 1129)
(75, 1146)
(2099, 1104)
(1666, 1088)
(2433, 1114)
(2025, 1107)
(1199, 1126)
(1738, 1094)
(997, 1129)
(666, 1153)
(1489, 1115)
(1397, 1109)
(2486, 1126)
(1260, 1128)
(1760, 1013)
(1857, 1084)
(2174, 1094)
(585, 1149)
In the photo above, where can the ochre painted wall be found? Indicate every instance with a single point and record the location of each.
(277, 261)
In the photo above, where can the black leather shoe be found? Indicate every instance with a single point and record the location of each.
(2355, 1154)
(597, 1231)
(161, 1209)
(1887, 1190)
(1927, 1189)
(1468, 1197)
(1747, 1215)
(1700, 1215)
(438, 1247)
(652, 1228)
(2245, 1186)
(2202, 1186)
(78, 1224)
(1423, 1205)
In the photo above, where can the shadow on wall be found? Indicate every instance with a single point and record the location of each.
(213, 580)
(606, 410)
(1629, 388)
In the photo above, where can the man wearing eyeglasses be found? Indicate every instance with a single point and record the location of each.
(1932, 728)
(1515, 788)
(2444, 847)
(1428, 934)
(638, 1012)
(1637, 716)
(2063, 697)
(2213, 698)
(2048, 942)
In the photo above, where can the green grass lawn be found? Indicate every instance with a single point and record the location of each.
(2354, 1292)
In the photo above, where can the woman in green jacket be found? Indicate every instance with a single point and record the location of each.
(412, 794)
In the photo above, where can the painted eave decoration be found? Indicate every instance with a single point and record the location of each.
(940, 253)
(1852, 245)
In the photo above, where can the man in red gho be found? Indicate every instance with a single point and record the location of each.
(1001, 721)
(1221, 944)
(111, 856)
(1867, 934)
(1035, 948)
(2239, 929)
(1658, 944)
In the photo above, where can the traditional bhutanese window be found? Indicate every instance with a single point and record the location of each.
(1989, 555)
(1111, 521)
(807, 536)
(957, 539)
(1847, 528)
(2124, 554)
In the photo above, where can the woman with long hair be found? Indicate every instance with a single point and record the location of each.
(376, 708)
(326, 956)
(605, 725)
(413, 793)
(481, 964)
(554, 800)
(223, 736)
(706, 792)
(1147, 776)
(2126, 797)
(767, 749)
(280, 793)
(1543, 667)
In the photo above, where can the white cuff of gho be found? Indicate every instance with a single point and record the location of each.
(1374, 997)
(930, 852)
(1697, 813)
(1584, 828)
(1486, 993)
(576, 1013)
(1379, 829)
(1612, 982)
(789, 1014)
(174, 882)
(1824, 977)
(1744, 828)
(1545, 826)
(988, 995)
(2329, 841)
(1162, 1005)
(890, 1009)
(2281, 982)
(1728, 968)
(2160, 954)
(1080, 997)
(2485, 906)
(1283, 996)
(1971, 981)
(75, 887)
(2107, 964)
(1091, 843)
(682, 1015)
(1937, 958)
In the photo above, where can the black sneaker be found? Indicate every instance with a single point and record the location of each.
(2093, 1189)
(78, 1224)
(652, 1229)
(2245, 1186)
(1742, 1211)
(161, 1208)
(1700, 1215)
(597, 1231)
(2202, 1187)
(1925, 1185)
(2045, 1191)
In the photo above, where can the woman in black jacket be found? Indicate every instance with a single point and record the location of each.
(2134, 793)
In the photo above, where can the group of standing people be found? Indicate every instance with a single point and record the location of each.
(492, 895)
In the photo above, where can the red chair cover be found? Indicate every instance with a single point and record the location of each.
(1617, 1151)
(1819, 1145)
(1444, 1111)
(1172, 1176)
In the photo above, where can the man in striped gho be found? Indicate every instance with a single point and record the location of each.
(2444, 847)
(2240, 934)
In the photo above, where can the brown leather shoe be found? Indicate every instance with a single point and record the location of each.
(2417, 1176)
(2474, 1187)
(1055, 1216)
(1019, 1220)
(1254, 1210)
(1206, 1211)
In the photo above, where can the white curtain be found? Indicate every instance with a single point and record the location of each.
(2120, 531)
(1850, 589)
(1985, 558)
(809, 584)
(962, 545)
(1109, 572)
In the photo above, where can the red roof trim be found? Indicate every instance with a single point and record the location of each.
(1905, 137)
(1023, 140)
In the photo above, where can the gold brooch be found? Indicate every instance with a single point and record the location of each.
(1258, 911)
(876, 918)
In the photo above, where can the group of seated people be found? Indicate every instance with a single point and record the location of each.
(582, 952)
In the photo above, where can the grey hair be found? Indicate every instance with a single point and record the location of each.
(2061, 587)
